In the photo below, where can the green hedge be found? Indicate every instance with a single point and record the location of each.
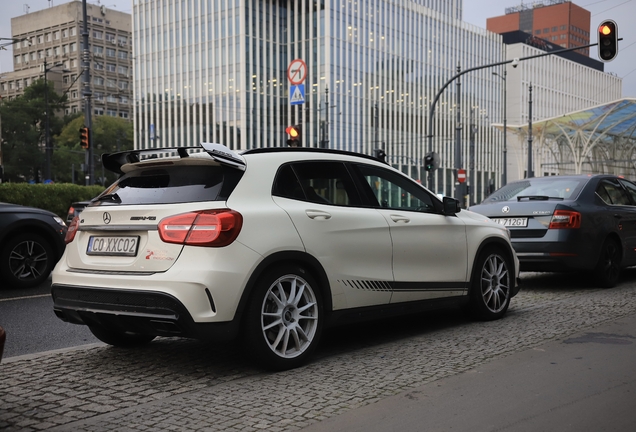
(53, 197)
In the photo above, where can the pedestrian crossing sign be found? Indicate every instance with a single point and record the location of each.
(297, 94)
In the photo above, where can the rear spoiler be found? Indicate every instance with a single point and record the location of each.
(114, 161)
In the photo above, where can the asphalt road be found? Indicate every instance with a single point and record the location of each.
(31, 326)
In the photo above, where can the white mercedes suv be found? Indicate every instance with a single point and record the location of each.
(273, 245)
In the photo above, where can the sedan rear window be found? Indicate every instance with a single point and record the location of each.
(171, 185)
(539, 188)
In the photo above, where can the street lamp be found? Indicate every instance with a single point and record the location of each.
(48, 149)
(504, 175)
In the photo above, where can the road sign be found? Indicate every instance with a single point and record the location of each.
(297, 94)
(297, 71)
(461, 175)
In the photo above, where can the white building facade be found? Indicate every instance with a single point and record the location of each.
(216, 70)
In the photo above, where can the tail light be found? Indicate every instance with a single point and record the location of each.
(72, 230)
(212, 228)
(565, 219)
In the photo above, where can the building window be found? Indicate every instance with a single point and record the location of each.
(110, 37)
(546, 30)
(48, 37)
(110, 67)
(99, 81)
(112, 113)
(99, 66)
(123, 70)
(111, 83)
(555, 29)
(123, 114)
(40, 39)
(56, 35)
(123, 40)
(122, 55)
(99, 111)
(40, 54)
(98, 50)
(111, 52)
(98, 34)
(123, 85)
(73, 31)
(65, 33)
(18, 59)
(73, 47)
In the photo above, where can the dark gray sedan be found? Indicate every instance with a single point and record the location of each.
(569, 223)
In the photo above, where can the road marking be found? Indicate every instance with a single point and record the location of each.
(27, 297)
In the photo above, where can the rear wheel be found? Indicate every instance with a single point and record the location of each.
(284, 318)
(608, 271)
(26, 260)
(119, 338)
(491, 285)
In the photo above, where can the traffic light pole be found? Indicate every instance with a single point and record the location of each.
(87, 94)
(431, 112)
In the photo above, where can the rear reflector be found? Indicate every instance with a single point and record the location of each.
(210, 228)
(72, 230)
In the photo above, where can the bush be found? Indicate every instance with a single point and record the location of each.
(53, 197)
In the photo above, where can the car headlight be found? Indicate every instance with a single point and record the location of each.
(59, 221)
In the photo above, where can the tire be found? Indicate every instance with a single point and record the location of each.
(284, 318)
(120, 339)
(26, 260)
(608, 271)
(491, 285)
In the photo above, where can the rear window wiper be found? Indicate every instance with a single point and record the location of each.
(537, 198)
(113, 198)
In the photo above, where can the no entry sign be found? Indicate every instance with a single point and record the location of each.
(461, 175)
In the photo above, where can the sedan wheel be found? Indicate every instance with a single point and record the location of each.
(26, 261)
(608, 271)
(491, 284)
(284, 319)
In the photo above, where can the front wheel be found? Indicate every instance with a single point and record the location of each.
(119, 338)
(26, 260)
(491, 285)
(608, 271)
(284, 318)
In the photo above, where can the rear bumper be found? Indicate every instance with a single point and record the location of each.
(152, 313)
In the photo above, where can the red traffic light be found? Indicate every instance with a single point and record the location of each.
(295, 135)
(607, 40)
(85, 137)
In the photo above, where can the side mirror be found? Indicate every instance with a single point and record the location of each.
(451, 206)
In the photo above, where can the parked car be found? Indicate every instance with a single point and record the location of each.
(273, 244)
(569, 223)
(31, 242)
(75, 209)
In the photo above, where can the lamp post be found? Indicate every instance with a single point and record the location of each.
(48, 150)
(504, 175)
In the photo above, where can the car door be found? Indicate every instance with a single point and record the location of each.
(430, 258)
(620, 213)
(351, 242)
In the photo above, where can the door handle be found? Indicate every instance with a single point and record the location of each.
(318, 214)
(399, 218)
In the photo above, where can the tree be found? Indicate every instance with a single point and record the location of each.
(23, 122)
(109, 134)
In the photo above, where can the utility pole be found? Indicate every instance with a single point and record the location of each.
(458, 140)
(473, 131)
(87, 94)
(530, 174)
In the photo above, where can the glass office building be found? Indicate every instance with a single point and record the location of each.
(217, 71)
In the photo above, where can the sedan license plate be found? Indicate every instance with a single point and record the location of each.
(512, 222)
(113, 246)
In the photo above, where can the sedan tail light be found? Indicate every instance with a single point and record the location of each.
(72, 230)
(565, 219)
(212, 228)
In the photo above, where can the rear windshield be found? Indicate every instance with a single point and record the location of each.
(172, 185)
(544, 187)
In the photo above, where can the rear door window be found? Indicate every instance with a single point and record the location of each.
(612, 193)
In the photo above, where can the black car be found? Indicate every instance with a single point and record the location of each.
(31, 243)
(569, 223)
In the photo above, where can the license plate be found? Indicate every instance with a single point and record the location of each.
(113, 246)
(512, 222)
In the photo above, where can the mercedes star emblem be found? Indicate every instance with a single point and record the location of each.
(505, 209)
(106, 217)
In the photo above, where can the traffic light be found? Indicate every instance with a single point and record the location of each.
(607, 40)
(85, 137)
(431, 161)
(380, 154)
(295, 135)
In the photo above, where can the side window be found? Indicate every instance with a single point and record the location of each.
(612, 193)
(317, 182)
(631, 189)
(393, 191)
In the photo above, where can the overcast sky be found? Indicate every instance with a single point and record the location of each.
(475, 12)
